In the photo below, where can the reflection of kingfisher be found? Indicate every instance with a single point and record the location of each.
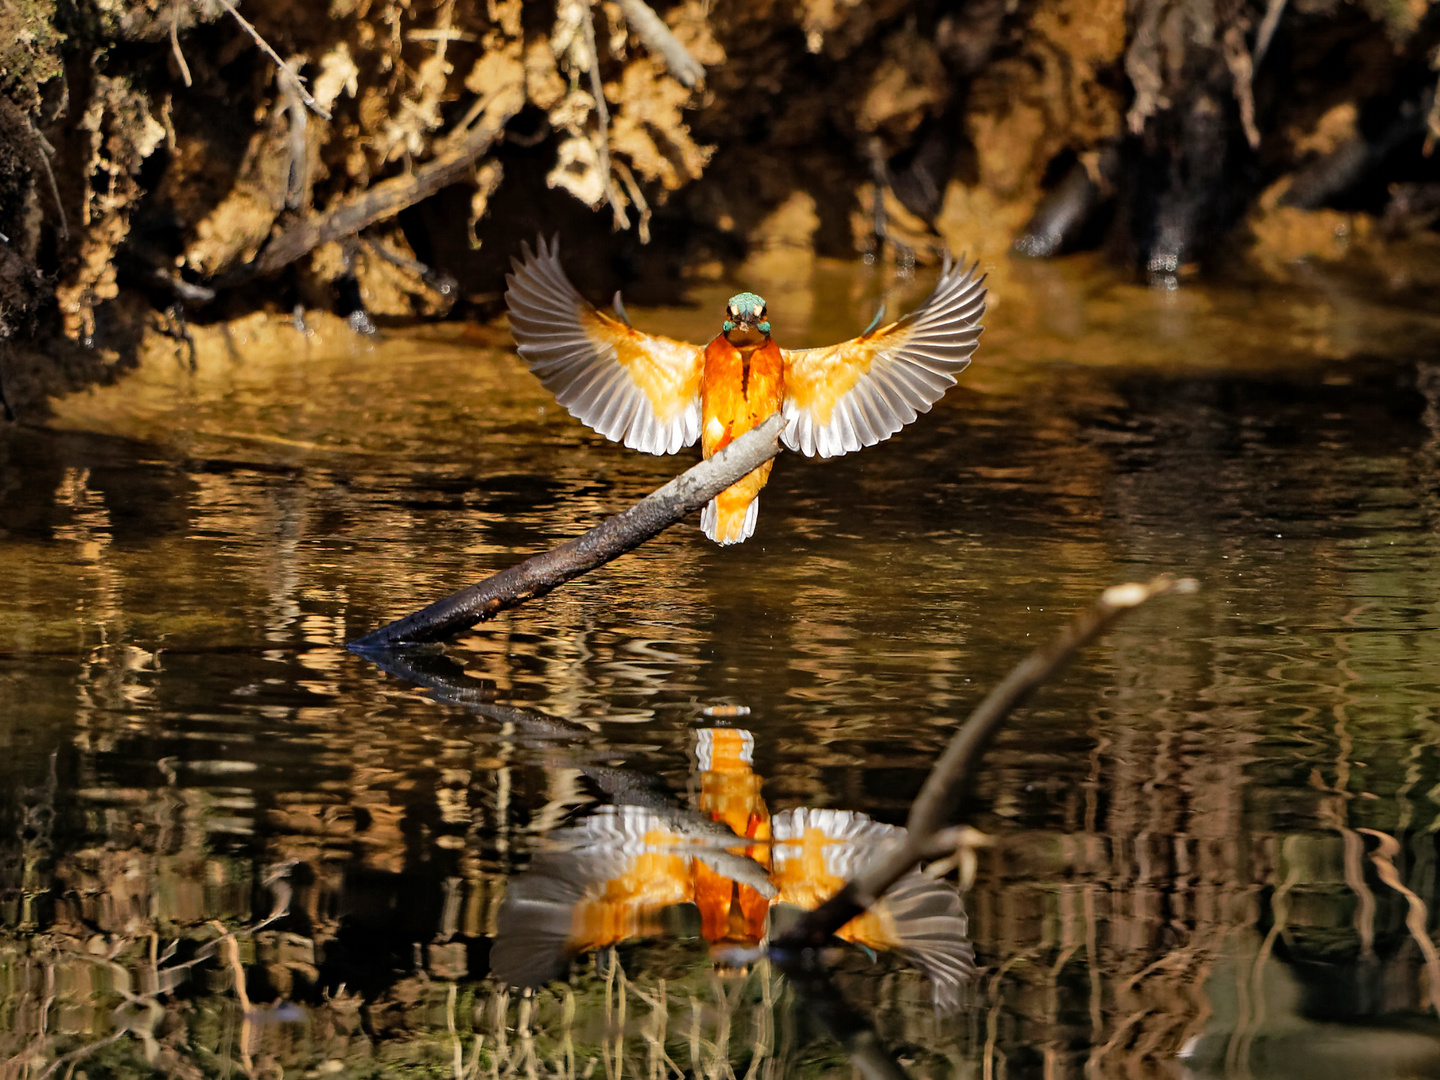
(622, 868)
(657, 394)
(731, 912)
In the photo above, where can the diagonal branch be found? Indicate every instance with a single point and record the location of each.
(613, 537)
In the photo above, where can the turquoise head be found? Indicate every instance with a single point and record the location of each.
(746, 310)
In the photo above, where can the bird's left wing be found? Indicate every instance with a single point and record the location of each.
(639, 389)
(862, 391)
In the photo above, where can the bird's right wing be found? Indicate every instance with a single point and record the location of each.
(639, 389)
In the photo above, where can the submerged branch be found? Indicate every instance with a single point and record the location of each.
(613, 537)
(948, 779)
(846, 1024)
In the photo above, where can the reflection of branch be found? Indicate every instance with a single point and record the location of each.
(90, 1048)
(613, 537)
(1416, 916)
(232, 952)
(844, 1023)
(625, 786)
(948, 779)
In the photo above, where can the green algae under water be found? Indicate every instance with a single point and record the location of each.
(1214, 839)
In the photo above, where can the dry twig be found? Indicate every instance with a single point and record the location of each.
(38, 153)
(1273, 10)
(651, 29)
(602, 113)
(175, 43)
(613, 537)
(637, 197)
(288, 73)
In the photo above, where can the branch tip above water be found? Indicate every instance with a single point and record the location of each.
(1133, 593)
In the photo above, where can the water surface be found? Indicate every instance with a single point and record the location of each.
(1213, 841)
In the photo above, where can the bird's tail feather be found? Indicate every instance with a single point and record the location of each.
(733, 528)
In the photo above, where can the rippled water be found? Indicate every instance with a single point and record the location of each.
(1212, 841)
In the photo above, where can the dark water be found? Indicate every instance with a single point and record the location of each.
(1213, 841)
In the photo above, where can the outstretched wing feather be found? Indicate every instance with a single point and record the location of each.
(860, 392)
(639, 389)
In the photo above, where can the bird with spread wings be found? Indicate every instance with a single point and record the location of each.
(657, 394)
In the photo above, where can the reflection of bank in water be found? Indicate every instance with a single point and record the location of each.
(622, 873)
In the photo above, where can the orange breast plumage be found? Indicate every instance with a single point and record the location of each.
(739, 388)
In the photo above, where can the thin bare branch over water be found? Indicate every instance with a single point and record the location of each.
(613, 537)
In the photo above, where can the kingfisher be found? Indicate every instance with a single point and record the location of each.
(658, 394)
